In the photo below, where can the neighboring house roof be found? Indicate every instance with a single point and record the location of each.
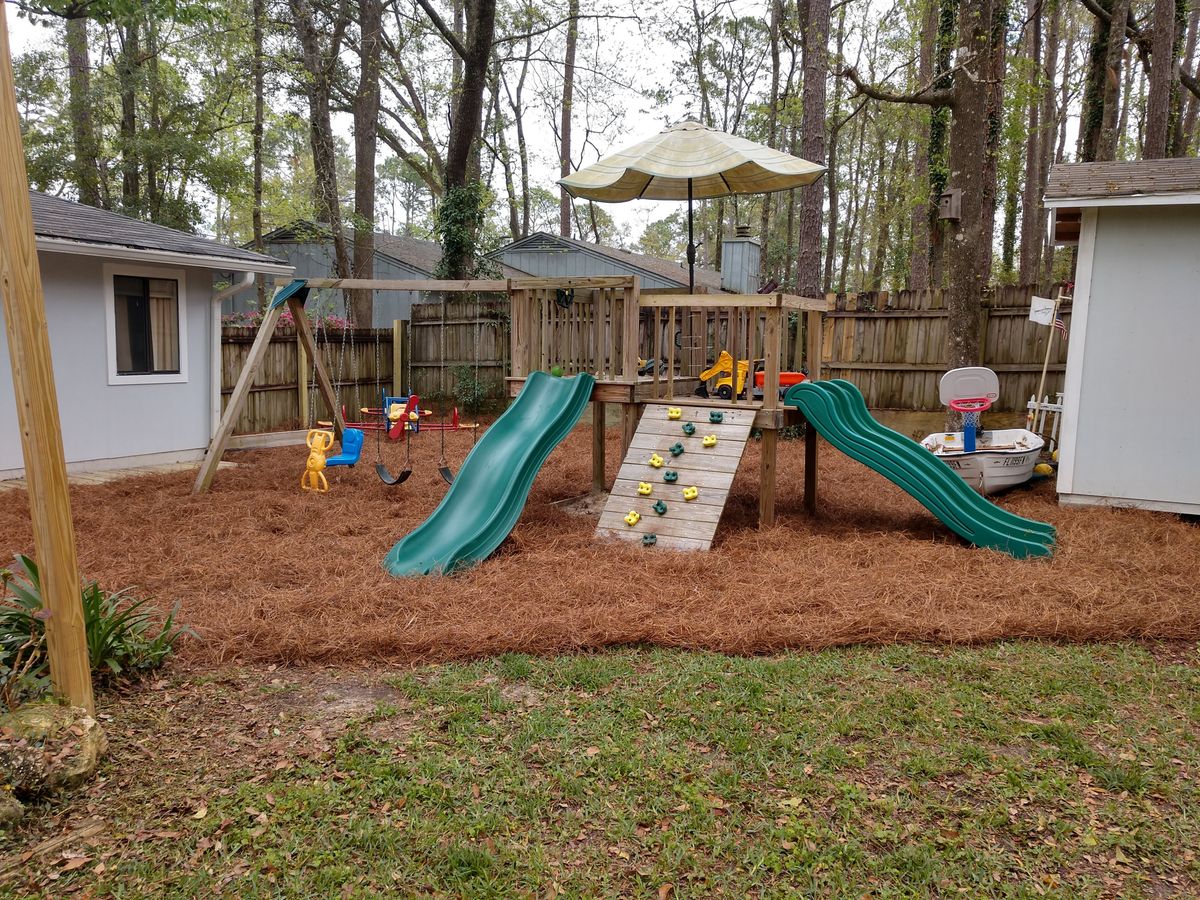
(63, 226)
(1148, 181)
(663, 268)
(414, 253)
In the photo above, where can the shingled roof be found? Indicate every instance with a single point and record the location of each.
(420, 255)
(63, 220)
(664, 268)
(1093, 183)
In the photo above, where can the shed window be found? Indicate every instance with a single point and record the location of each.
(146, 317)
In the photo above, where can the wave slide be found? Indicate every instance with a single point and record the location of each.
(489, 491)
(839, 413)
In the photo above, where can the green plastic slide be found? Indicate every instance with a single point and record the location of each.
(837, 410)
(489, 491)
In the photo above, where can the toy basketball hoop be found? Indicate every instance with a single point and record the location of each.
(967, 405)
(971, 390)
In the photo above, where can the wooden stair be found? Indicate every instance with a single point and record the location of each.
(687, 524)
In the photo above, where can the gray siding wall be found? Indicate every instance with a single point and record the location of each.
(575, 263)
(1136, 425)
(313, 260)
(102, 421)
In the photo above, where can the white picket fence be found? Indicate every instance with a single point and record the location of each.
(1045, 415)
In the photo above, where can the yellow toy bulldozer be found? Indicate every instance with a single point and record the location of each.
(723, 367)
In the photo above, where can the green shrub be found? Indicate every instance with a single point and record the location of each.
(471, 394)
(123, 634)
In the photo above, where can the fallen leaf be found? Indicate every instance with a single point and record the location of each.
(76, 862)
(200, 813)
(664, 890)
(592, 751)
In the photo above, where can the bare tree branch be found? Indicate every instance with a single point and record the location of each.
(447, 35)
(927, 95)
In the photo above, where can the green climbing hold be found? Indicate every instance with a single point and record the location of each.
(676, 449)
(649, 540)
(670, 476)
(556, 371)
(716, 417)
(689, 429)
(659, 507)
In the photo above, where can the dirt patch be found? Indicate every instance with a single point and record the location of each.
(268, 574)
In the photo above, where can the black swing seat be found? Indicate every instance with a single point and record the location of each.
(388, 478)
(447, 475)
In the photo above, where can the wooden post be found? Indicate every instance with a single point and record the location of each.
(398, 357)
(810, 468)
(598, 413)
(812, 322)
(37, 408)
(241, 390)
(630, 413)
(302, 383)
(766, 479)
(324, 383)
(629, 329)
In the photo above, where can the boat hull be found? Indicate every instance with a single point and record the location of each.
(1002, 458)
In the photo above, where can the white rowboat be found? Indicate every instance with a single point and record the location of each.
(1002, 458)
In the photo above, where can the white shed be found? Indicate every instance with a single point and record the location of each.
(135, 335)
(1130, 432)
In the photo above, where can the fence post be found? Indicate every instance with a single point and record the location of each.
(398, 358)
(302, 383)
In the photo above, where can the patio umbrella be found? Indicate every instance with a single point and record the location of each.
(693, 162)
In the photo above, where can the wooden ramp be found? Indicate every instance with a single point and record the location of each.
(686, 524)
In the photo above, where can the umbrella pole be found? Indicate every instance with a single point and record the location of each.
(691, 253)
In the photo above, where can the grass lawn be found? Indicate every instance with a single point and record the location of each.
(1018, 769)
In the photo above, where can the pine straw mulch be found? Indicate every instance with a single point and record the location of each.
(266, 573)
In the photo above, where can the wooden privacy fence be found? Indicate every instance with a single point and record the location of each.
(464, 332)
(892, 345)
(360, 362)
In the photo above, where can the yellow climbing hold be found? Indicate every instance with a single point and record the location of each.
(690, 493)
(655, 460)
(633, 517)
(674, 412)
(710, 440)
(644, 488)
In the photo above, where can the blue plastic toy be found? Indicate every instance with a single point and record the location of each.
(352, 444)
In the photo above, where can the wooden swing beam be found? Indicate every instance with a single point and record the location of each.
(37, 408)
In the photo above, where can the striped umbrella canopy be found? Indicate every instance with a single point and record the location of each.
(689, 161)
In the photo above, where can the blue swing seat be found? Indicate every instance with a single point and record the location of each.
(352, 444)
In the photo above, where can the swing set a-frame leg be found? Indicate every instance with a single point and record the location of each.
(241, 390)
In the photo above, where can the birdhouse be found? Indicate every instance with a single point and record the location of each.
(950, 204)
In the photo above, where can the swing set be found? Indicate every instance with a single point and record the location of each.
(397, 419)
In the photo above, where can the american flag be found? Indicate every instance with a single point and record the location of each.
(1061, 326)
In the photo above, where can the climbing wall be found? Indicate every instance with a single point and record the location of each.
(675, 522)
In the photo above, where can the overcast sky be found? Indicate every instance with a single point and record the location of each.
(639, 121)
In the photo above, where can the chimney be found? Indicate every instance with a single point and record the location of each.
(740, 257)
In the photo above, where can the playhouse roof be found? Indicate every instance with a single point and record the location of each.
(1143, 182)
(63, 226)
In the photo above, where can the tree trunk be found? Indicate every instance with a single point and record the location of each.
(764, 225)
(1049, 125)
(458, 258)
(939, 131)
(812, 146)
(1106, 147)
(366, 141)
(83, 127)
(1031, 198)
(972, 170)
(127, 78)
(568, 100)
(319, 61)
(918, 267)
(1191, 112)
(258, 13)
(1163, 75)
